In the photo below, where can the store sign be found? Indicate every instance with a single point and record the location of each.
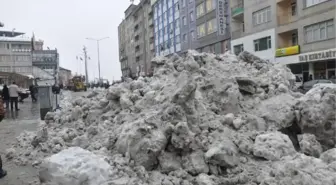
(221, 17)
(316, 56)
(287, 51)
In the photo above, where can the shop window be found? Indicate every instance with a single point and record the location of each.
(262, 44)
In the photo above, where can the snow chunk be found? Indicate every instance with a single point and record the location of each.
(273, 146)
(74, 166)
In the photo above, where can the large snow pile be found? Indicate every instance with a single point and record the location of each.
(202, 119)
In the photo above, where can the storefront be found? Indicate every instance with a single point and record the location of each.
(312, 65)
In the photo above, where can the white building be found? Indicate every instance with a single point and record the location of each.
(262, 44)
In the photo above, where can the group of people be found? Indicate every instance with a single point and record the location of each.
(10, 95)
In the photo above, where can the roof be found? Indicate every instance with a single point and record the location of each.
(9, 33)
(61, 68)
(18, 39)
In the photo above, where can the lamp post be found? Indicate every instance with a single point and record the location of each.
(98, 40)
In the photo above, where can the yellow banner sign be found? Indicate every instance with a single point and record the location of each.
(293, 50)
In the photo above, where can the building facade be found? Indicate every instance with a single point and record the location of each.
(306, 37)
(47, 60)
(300, 34)
(64, 76)
(136, 40)
(15, 51)
(253, 26)
(167, 27)
(212, 33)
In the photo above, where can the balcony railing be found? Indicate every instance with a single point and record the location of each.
(286, 18)
(237, 9)
(237, 33)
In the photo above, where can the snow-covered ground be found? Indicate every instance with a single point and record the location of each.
(204, 119)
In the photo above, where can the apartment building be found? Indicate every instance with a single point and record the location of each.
(212, 33)
(15, 51)
(306, 37)
(136, 40)
(253, 25)
(300, 34)
(167, 26)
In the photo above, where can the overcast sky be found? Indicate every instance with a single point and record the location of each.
(64, 24)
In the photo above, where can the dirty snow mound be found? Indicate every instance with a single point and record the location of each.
(200, 119)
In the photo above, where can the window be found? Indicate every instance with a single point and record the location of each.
(237, 49)
(262, 44)
(201, 30)
(190, 1)
(191, 16)
(184, 21)
(210, 5)
(314, 2)
(177, 39)
(261, 16)
(183, 3)
(192, 35)
(294, 8)
(212, 26)
(177, 25)
(294, 39)
(200, 10)
(185, 38)
(320, 31)
(177, 7)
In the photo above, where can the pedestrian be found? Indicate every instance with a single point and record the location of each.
(5, 96)
(32, 92)
(2, 115)
(14, 95)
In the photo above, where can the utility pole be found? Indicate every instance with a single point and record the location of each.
(86, 69)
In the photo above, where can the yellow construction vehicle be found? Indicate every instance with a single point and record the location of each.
(77, 83)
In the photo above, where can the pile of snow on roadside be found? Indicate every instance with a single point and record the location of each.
(201, 119)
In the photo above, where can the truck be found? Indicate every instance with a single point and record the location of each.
(77, 83)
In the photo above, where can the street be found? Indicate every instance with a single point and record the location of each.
(27, 119)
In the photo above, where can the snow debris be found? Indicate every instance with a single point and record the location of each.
(201, 119)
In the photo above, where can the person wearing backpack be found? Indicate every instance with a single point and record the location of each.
(2, 115)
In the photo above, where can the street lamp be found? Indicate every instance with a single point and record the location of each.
(98, 40)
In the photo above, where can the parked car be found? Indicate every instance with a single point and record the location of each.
(310, 84)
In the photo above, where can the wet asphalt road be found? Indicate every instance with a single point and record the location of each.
(26, 119)
(15, 122)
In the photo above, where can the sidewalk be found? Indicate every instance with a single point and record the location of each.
(11, 127)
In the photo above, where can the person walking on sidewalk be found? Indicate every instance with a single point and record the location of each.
(5, 96)
(2, 115)
(14, 95)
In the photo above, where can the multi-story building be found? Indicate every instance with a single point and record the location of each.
(167, 26)
(300, 34)
(253, 27)
(136, 40)
(187, 24)
(212, 33)
(306, 37)
(15, 51)
(47, 60)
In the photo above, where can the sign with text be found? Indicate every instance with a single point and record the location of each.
(221, 17)
(317, 56)
(293, 50)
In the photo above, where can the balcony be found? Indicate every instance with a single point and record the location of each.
(237, 11)
(237, 33)
(287, 17)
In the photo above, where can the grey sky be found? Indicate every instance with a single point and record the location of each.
(64, 24)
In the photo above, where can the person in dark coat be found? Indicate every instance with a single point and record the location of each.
(32, 93)
(5, 96)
